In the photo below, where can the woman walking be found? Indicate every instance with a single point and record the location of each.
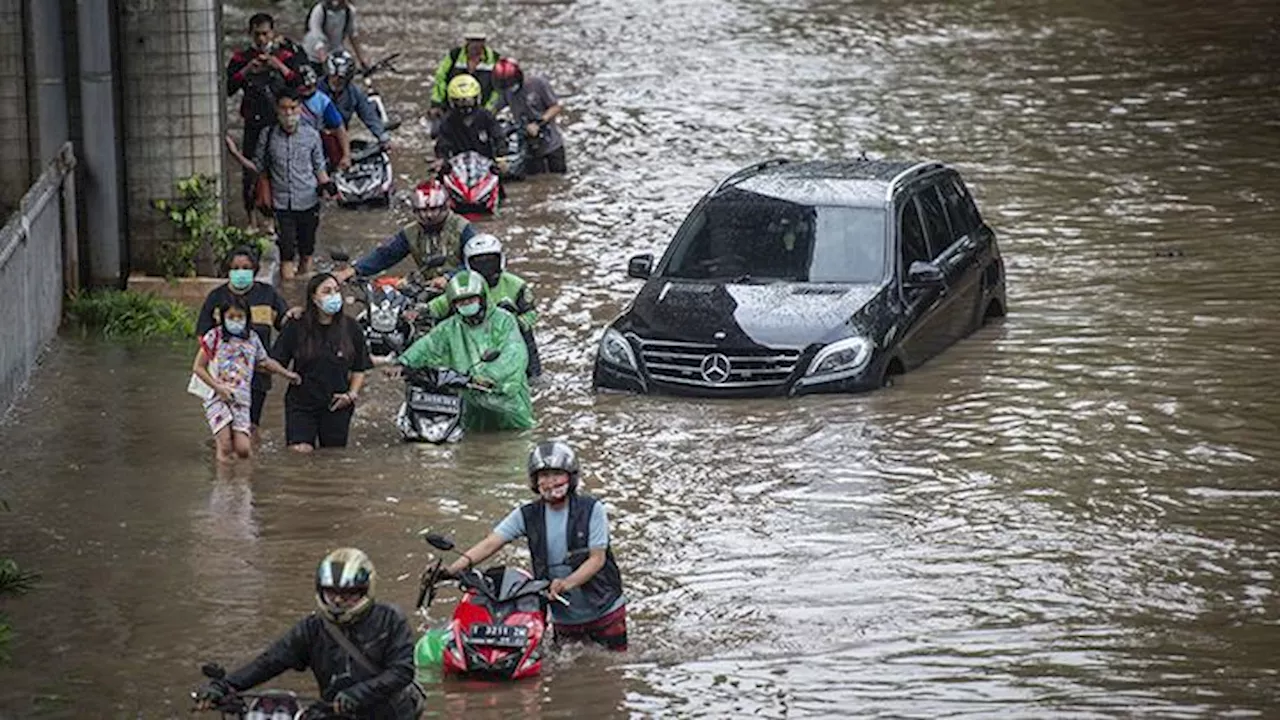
(327, 348)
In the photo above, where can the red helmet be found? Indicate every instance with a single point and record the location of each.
(430, 195)
(507, 72)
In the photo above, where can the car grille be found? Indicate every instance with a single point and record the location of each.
(704, 365)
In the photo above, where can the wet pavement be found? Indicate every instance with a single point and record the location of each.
(1073, 513)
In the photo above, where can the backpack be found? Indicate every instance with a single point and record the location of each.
(324, 20)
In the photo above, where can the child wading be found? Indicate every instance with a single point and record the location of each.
(225, 361)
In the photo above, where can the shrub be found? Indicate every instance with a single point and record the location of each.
(128, 315)
(198, 215)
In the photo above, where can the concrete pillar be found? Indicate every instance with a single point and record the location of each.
(172, 102)
(15, 145)
(99, 151)
(45, 33)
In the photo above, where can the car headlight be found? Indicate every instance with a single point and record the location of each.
(844, 357)
(615, 350)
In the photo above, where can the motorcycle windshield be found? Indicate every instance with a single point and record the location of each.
(470, 167)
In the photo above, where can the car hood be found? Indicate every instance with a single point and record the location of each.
(776, 315)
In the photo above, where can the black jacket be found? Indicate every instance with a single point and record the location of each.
(382, 634)
(478, 131)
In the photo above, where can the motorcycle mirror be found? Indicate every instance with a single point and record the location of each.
(490, 355)
(340, 256)
(436, 261)
(438, 541)
(213, 671)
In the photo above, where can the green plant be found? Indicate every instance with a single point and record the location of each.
(197, 214)
(13, 581)
(127, 315)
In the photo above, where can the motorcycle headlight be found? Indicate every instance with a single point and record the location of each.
(843, 357)
(383, 319)
(615, 350)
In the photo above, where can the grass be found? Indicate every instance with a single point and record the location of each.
(128, 315)
(13, 581)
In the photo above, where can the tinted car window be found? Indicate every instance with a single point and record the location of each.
(959, 207)
(936, 229)
(744, 236)
(911, 233)
(967, 208)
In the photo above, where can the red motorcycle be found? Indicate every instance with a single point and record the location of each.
(473, 184)
(497, 628)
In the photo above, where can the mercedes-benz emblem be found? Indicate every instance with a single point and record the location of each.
(715, 368)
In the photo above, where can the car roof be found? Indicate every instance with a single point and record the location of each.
(859, 182)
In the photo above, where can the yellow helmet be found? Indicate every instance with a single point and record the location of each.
(464, 90)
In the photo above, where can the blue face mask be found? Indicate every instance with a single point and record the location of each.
(469, 310)
(331, 304)
(235, 327)
(240, 279)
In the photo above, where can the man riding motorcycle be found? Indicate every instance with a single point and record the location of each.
(320, 112)
(459, 343)
(437, 231)
(340, 70)
(467, 126)
(568, 537)
(483, 254)
(377, 685)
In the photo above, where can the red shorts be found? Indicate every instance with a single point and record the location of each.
(609, 631)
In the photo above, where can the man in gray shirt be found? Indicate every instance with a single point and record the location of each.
(329, 24)
(291, 153)
(535, 105)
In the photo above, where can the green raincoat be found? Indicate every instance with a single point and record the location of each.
(510, 287)
(458, 346)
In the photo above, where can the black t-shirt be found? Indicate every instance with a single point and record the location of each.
(326, 374)
(266, 313)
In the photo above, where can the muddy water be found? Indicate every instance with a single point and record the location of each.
(1074, 513)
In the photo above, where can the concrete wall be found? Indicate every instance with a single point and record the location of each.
(171, 79)
(15, 144)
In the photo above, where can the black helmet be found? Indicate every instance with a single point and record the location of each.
(307, 76)
(341, 64)
(553, 455)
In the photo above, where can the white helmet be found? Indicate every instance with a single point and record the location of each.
(484, 244)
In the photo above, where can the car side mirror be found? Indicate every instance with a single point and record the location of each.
(640, 266)
(490, 355)
(924, 274)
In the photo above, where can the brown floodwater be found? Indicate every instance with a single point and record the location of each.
(1072, 513)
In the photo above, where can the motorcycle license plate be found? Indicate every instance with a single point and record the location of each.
(425, 401)
(500, 635)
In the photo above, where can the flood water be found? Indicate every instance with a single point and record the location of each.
(1072, 513)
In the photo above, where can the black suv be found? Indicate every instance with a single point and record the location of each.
(799, 277)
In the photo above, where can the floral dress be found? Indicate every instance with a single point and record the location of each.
(231, 361)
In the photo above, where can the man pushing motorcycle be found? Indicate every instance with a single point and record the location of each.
(461, 342)
(436, 231)
(360, 651)
(568, 535)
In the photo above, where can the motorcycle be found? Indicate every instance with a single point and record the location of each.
(513, 164)
(268, 704)
(395, 309)
(520, 151)
(472, 182)
(370, 178)
(433, 403)
(498, 626)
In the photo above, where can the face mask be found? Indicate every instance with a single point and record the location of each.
(240, 279)
(235, 327)
(331, 304)
(469, 310)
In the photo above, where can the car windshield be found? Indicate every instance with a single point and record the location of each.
(741, 236)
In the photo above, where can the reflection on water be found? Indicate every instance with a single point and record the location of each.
(1072, 512)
